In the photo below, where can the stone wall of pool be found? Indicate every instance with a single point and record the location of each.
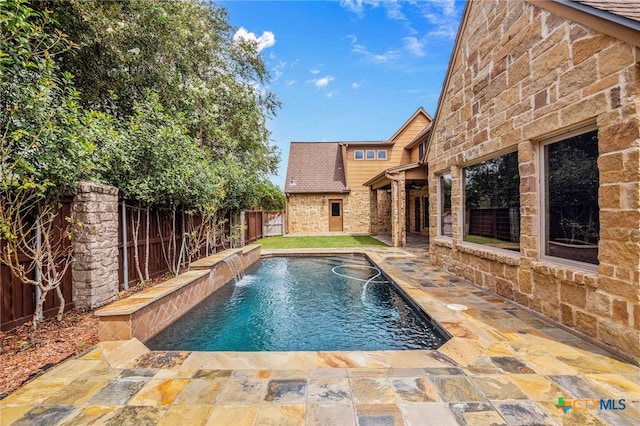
(145, 314)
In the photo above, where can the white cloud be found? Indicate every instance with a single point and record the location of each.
(332, 93)
(355, 85)
(415, 46)
(267, 39)
(388, 56)
(278, 70)
(290, 82)
(314, 71)
(443, 15)
(357, 6)
(323, 82)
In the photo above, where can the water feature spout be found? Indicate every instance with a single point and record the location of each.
(237, 268)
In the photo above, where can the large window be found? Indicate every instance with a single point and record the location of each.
(444, 206)
(572, 223)
(492, 202)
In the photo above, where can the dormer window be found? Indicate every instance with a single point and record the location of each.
(371, 154)
(358, 154)
(382, 154)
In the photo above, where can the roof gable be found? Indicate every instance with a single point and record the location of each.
(315, 167)
(616, 18)
(419, 112)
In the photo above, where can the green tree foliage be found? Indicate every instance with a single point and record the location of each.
(43, 151)
(183, 51)
(270, 197)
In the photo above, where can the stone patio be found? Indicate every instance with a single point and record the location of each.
(503, 365)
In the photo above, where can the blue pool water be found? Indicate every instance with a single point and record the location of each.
(303, 304)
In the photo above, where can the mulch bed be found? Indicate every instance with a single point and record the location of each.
(56, 342)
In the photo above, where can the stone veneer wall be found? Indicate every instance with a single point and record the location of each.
(95, 267)
(380, 211)
(521, 74)
(309, 213)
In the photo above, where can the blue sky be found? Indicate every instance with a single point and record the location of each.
(348, 70)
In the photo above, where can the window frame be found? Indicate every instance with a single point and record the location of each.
(463, 219)
(440, 194)
(379, 151)
(370, 151)
(355, 154)
(543, 216)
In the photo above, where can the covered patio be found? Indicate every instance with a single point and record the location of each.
(399, 202)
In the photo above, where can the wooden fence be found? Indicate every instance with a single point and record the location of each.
(19, 300)
(494, 223)
(253, 221)
(273, 223)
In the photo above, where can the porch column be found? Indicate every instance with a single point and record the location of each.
(373, 209)
(398, 210)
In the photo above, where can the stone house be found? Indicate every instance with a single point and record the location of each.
(534, 161)
(342, 187)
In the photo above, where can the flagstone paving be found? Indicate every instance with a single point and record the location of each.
(503, 366)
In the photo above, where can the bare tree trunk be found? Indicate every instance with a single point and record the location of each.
(37, 313)
(135, 225)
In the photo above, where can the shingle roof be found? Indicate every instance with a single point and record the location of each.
(315, 167)
(629, 9)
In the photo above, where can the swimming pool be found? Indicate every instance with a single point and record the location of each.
(303, 304)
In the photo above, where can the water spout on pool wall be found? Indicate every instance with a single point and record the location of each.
(236, 265)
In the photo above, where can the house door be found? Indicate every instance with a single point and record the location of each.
(417, 213)
(335, 215)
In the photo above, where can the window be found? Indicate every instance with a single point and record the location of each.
(358, 154)
(570, 201)
(425, 212)
(444, 206)
(335, 209)
(382, 154)
(422, 148)
(492, 202)
(371, 154)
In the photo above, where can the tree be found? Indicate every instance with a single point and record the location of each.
(155, 162)
(270, 197)
(183, 51)
(43, 151)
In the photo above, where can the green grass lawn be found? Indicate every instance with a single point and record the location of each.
(319, 242)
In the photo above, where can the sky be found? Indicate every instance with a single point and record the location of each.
(348, 70)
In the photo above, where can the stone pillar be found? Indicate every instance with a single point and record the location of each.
(95, 267)
(373, 204)
(398, 213)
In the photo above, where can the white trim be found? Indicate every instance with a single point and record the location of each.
(367, 152)
(355, 154)
(380, 151)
